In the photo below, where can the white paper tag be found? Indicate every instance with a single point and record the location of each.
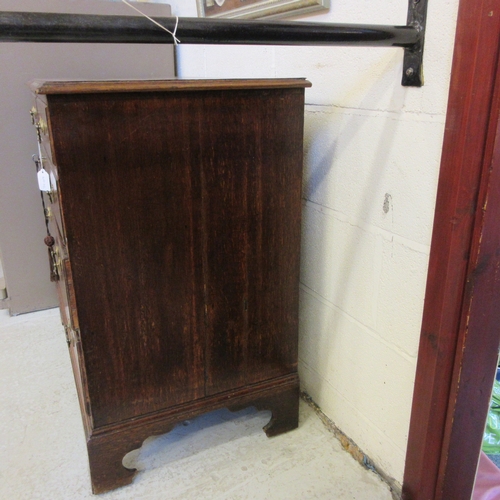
(43, 180)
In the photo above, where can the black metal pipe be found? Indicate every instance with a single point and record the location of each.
(45, 27)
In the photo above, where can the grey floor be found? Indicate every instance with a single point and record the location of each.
(218, 456)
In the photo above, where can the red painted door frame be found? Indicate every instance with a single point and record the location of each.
(461, 322)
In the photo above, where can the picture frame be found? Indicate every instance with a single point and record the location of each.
(255, 9)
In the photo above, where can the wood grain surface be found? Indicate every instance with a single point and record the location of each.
(180, 224)
(440, 455)
(79, 87)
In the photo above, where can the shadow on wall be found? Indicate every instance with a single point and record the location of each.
(334, 243)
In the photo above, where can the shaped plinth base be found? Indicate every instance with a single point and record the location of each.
(108, 445)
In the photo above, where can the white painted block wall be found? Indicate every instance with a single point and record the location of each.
(370, 144)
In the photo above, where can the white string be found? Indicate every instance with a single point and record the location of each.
(176, 40)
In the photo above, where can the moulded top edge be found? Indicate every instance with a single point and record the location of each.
(104, 86)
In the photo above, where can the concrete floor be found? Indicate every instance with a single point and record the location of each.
(220, 456)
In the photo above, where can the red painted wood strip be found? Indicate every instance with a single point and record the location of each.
(462, 165)
(477, 351)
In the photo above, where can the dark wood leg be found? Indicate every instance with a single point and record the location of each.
(284, 408)
(285, 412)
(105, 459)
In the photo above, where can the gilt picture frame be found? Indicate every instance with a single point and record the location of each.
(255, 9)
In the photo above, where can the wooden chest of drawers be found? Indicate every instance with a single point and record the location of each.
(175, 208)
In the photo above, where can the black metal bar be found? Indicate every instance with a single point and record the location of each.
(44, 27)
(413, 60)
